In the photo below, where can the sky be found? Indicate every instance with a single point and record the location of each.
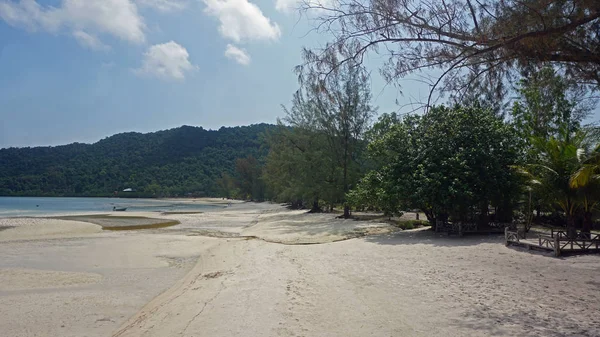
(82, 70)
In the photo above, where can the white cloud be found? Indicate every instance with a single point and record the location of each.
(30, 15)
(242, 20)
(89, 41)
(166, 61)
(238, 54)
(164, 5)
(119, 18)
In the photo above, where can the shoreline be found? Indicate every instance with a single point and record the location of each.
(15, 207)
(120, 197)
(281, 272)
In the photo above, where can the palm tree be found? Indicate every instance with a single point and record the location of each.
(587, 178)
(550, 175)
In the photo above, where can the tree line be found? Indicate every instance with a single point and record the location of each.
(460, 162)
(178, 162)
(509, 142)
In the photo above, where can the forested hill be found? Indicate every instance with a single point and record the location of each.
(173, 162)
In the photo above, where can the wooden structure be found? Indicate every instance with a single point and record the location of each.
(558, 242)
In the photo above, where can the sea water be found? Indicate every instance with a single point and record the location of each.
(41, 206)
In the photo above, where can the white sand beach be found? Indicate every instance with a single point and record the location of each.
(261, 270)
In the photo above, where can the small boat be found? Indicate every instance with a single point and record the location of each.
(123, 209)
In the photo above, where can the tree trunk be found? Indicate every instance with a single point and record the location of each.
(430, 217)
(346, 211)
(297, 204)
(315, 206)
(483, 216)
(528, 220)
(571, 230)
(346, 207)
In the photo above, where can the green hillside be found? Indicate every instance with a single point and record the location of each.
(181, 161)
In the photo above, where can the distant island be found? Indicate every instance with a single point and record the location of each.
(184, 161)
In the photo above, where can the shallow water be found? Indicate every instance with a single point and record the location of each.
(39, 206)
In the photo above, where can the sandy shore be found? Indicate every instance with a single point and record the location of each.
(257, 270)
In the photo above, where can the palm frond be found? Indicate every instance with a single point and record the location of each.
(543, 167)
(582, 177)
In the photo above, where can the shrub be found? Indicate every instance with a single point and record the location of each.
(411, 224)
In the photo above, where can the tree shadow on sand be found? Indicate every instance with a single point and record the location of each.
(426, 236)
(524, 322)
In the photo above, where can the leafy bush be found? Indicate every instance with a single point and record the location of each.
(411, 224)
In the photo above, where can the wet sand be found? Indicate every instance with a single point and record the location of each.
(261, 270)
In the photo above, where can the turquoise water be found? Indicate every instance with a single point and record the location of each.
(25, 206)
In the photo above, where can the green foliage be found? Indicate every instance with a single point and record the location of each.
(226, 186)
(475, 45)
(588, 175)
(249, 182)
(374, 191)
(176, 162)
(547, 117)
(384, 123)
(448, 162)
(316, 153)
(468, 153)
(406, 225)
(562, 172)
(411, 224)
(548, 104)
(298, 167)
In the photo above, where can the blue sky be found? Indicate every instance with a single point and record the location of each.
(81, 70)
